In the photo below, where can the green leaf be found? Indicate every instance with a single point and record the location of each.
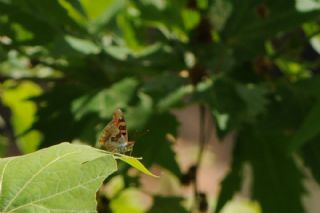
(82, 45)
(174, 98)
(142, 110)
(40, 30)
(255, 98)
(310, 86)
(315, 42)
(231, 183)
(107, 100)
(309, 128)
(75, 11)
(247, 24)
(76, 5)
(191, 18)
(100, 12)
(307, 5)
(129, 200)
(277, 182)
(167, 18)
(219, 13)
(4, 142)
(167, 204)
(129, 32)
(134, 162)
(230, 110)
(64, 177)
(242, 205)
(23, 112)
(55, 115)
(158, 88)
(40, 10)
(154, 147)
(311, 156)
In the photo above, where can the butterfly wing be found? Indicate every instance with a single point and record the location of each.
(114, 136)
(109, 131)
(122, 126)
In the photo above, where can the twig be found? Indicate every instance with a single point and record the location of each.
(202, 143)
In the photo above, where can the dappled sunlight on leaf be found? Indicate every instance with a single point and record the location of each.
(16, 97)
(130, 200)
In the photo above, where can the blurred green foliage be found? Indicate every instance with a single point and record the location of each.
(254, 64)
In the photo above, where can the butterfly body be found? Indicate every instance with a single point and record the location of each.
(114, 136)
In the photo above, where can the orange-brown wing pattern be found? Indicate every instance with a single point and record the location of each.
(109, 131)
(121, 124)
(114, 136)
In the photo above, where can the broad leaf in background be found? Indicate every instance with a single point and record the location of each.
(23, 112)
(40, 10)
(27, 28)
(230, 108)
(175, 98)
(311, 155)
(105, 101)
(255, 99)
(309, 128)
(133, 200)
(242, 205)
(49, 177)
(81, 45)
(154, 147)
(164, 94)
(3, 145)
(277, 182)
(167, 204)
(310, 87)
(253, 22)
(100, 12)
(166, 17)
(55, 119)
(232, 182)
(142, 110)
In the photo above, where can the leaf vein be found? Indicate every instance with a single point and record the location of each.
(56, 194)
(35, 175)
(2, 174)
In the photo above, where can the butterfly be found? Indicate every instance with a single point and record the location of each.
(114, 136)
